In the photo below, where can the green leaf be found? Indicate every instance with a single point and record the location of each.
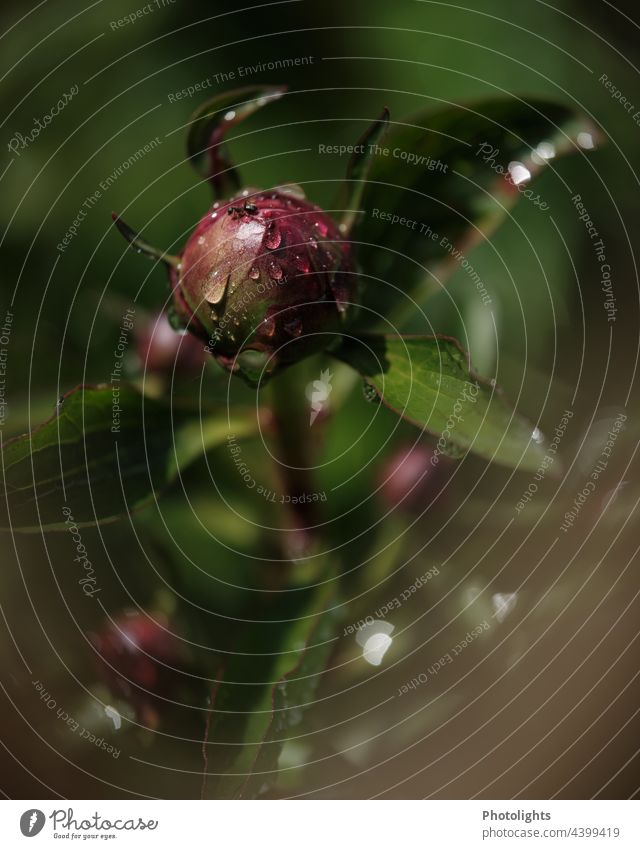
(100, 463)
(359, 165)
(209, 125)
(427, 380)
(450, 194)
(265, 687)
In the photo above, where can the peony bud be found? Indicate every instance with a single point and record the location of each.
(263, 280)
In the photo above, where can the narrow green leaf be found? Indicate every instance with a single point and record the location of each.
(107, 451)
(357, 171)
(209, 125)
(141, 246)
(445, 183)
(427, 380)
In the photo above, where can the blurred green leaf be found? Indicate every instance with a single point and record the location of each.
(266, 687)
(101, 463)
(452, 184)
(428, 381)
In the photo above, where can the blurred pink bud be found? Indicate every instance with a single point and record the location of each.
(411, 477)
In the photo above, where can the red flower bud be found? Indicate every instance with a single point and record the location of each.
(264, 280)
(136, 649)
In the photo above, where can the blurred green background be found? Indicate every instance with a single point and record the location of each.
(490, 725)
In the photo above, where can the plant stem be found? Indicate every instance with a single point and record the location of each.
(294, 456)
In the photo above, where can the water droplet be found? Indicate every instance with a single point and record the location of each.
(585, 140)
(375, 648)
(340, 294)
(252, 364)
(302, 264)
(543, 153)
(174, 319)
(114, 716)
(201, 240)
(254, 272)
(453, 451)
(275, 270)
(245, 193)
(292, 189)
(503, 604)
(273, 237)
(268, 327)
(370, 393)
(519, 173)
(214, 214)
(537, 436)
(294, 327)
(216, 204)
(322, 228)
(375, 639)
(230, 115)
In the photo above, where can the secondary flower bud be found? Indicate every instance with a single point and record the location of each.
(164, 352)
(264, 281)
(136, 650)
(411, 478)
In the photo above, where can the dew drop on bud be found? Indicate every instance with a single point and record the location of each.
(322, 228)
(273, 237)
(268, 327)
(254, 272)
(301, 264)
(275, 270)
